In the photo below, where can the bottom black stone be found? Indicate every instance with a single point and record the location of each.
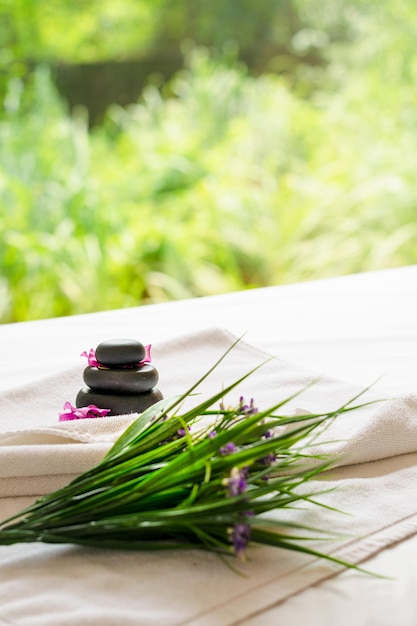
(118, 405)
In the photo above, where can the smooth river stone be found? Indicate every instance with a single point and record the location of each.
(120, 352)
(129, 380)
(118, 405)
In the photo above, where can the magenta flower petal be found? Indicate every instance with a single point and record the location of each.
(73, 413)
(147, 358)
(91, 357)
(68, 413)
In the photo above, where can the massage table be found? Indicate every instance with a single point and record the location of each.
(359, 330)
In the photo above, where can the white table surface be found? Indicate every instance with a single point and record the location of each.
(355, 328)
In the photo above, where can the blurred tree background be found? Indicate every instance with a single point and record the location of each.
(172, 149)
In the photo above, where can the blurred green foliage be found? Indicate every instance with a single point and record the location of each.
(224, 182)
(75, 30)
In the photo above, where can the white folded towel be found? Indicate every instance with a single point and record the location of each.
(376, 447)
(38, 453)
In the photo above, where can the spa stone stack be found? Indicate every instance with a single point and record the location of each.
(120, 383)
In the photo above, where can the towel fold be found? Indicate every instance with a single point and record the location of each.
(375, 448)
(39, 453)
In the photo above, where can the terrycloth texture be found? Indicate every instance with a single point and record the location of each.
(45, 585)
(39, 454)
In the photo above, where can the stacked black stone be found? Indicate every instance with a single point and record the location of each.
(120, 383)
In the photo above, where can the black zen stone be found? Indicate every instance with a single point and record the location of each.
(123, 381)
(118, 405)
(120, 352)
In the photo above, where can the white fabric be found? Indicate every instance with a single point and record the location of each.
(356, 328)
(45, 451)
(198, 588)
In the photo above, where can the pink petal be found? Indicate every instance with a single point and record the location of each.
(147, 358)
(73, 413)
(91, 357)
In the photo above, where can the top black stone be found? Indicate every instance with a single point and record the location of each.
(120, 352)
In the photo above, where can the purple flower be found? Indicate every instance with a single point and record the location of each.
(268, 460)
(228, 448)
(236, 482)
(72, 413)
(239, 536)
(212, 434)
(181, 431)
(247, 409)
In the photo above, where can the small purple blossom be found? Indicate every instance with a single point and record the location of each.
(247, 409)
(240, 536)
(73, 413)
(181, 431)
(212, 434)
(268, 459)
(179, 434)
(228, 448)
(236, 482)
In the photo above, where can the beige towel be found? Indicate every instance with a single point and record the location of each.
(44, 585)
